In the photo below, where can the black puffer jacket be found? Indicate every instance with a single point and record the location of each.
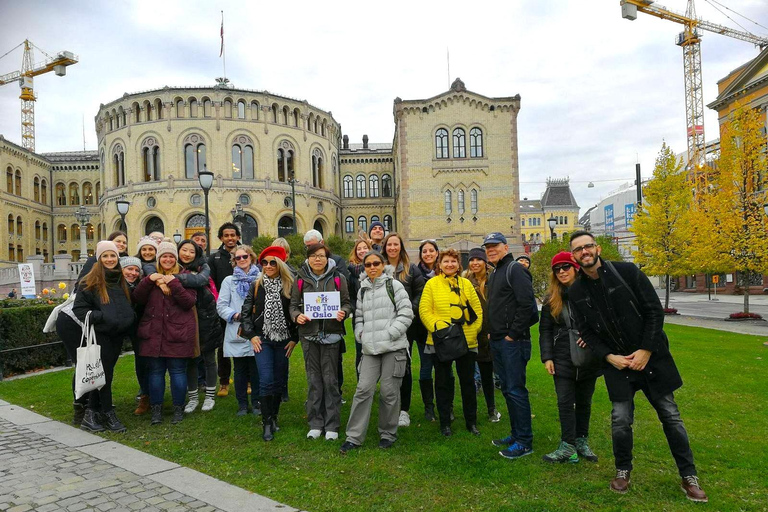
(112, 320)
(208, 321)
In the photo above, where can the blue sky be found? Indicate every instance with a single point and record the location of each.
(598, 92)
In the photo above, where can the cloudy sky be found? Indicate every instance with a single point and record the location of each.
(598, 92)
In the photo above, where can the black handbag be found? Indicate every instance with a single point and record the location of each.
(580, 356)
(449, 342)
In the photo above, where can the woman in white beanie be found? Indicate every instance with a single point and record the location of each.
(132, 273)
(146, 251)
(104, 294)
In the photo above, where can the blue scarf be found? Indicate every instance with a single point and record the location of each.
(243, 281)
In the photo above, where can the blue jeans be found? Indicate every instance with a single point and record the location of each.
(177, 370)
(272, 364)
(425, 362)
(245, 373)
(509, 360)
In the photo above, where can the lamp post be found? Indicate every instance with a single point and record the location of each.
(122, 208)
(205, 177)
(293, 200)
(552, 221)
(237, 215)
(83, 218)
(177, 237)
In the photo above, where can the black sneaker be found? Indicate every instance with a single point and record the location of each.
(178, 414)
(348, 446)
(157, 414)
(473, 430)
(114, 424)
(446, 431)
(386, 444)
(90, 422)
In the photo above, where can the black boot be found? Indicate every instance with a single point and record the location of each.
(112, 423)
(157, 414)
(90, 423)
(77, 419)
(428, 397)
(266, 417)
(276, 401)
(178, 414)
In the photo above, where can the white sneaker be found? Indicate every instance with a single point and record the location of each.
(331, 436)
(314, 434)
(192, 405)
(208, 404)
(404, 420)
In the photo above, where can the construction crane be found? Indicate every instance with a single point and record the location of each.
(25, 77)
(690, 40)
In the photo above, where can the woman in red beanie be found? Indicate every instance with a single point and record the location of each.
(574, 386)
(266, 321)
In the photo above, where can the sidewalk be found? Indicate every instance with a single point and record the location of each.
(48, 466)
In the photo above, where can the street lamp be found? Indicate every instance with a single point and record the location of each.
(205, 177)
(177, 237)
(552, 221)
(293, 199)
(122, 208)
(83, 218)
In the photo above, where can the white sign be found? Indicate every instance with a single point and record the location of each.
(319, 305)
(27, 276)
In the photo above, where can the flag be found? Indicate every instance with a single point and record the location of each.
(221, 52)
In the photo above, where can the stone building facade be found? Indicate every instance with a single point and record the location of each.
(556, 202)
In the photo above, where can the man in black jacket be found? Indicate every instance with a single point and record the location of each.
(221, 266)
(619, 316)
(511, 310)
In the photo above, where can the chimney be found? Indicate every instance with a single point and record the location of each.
(345, 140)
(365, 142)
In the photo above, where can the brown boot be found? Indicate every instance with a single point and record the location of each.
(143, 407)
(223, 390)
(620, 484)
(693, 490)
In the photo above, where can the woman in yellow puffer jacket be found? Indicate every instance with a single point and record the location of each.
(450, 299)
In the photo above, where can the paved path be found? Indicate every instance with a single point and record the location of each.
(48, 466)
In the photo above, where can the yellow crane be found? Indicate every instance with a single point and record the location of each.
(25, 76)
(690, 40)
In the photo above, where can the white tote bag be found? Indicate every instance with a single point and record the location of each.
(66, 307)
(89, 373)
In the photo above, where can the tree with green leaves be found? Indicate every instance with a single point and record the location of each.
(337, 244)
(661, 225)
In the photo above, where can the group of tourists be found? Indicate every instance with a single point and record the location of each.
(189, 316)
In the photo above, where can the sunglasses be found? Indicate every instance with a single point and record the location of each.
(243, 257)
(565, 267)
(268, 263)
(373, 264)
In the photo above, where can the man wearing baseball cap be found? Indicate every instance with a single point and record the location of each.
(512, 311)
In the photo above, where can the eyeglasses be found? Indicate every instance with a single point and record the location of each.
(373, 264)
(243, 257)
(268, 263)
(317, 257)
(565, 267)
(581, 248)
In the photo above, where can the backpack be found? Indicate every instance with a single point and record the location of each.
(390, 292)
(535, 316)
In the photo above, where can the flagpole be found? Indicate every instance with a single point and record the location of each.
(223, 48)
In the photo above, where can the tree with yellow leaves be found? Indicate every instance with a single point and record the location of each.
(660, 225)
(730, 218)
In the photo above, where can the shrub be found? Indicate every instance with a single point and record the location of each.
(670, 311)
(23, 327)
(337, 244)
(741, 316)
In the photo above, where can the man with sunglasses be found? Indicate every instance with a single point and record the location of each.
(620, 317)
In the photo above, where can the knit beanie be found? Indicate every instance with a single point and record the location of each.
(130, 261)
(145, 240)
(375, 224)
(479, 253)
(104, 246)
(564, 257)
(165, 248)
(525, 257)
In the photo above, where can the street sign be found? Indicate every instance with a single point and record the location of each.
(715, 278)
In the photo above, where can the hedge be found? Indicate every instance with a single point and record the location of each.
(23, 327)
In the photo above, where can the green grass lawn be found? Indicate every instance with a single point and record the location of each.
(724, 404)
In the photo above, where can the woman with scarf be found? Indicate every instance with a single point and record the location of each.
(266, 321)
(234, 289)
(321, 340)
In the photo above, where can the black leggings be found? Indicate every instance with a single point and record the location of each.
(486, 379)
(574, 402)
(101, 399)
(69, 332)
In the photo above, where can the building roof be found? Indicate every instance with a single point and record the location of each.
(558, 194)
(71, 156)
(458, 86)
(751, 75)
(530, 206)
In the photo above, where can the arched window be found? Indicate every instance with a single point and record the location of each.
(36, 189)
(11, 252)
(45, 231)
(286, 114)
(459, 143)
(118, 165)
(87, 193)
(448, 202)
(180, 108)
(154, 224)
(460, 201)
(147, 108)
(360, 185)
(317, 167)
(11, 225)
(441, 143)
(285, 226)
(565, 220)
(158, 109)
(362, 223)
(89, 231)
(241, 109)
(207, 108)
(473, 201)
(98, 191)
(242, 158)
(285, 155)
(37, 230)
(74, 194)
(9, 180)
(19, 226)
(387, 223)
(61, 233)
(194, 155)
(373, 185)
(374, 218)
(192, 107)
(274, 113)
(43, 191)
(136, 110)
(228, 108)
(349, 225)
(61, 194)
(19, 253)
(296, 117)
(150, 152)
(255, 108)
(348, 187)
(18, 183)
(386, 186)
(476, 143)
